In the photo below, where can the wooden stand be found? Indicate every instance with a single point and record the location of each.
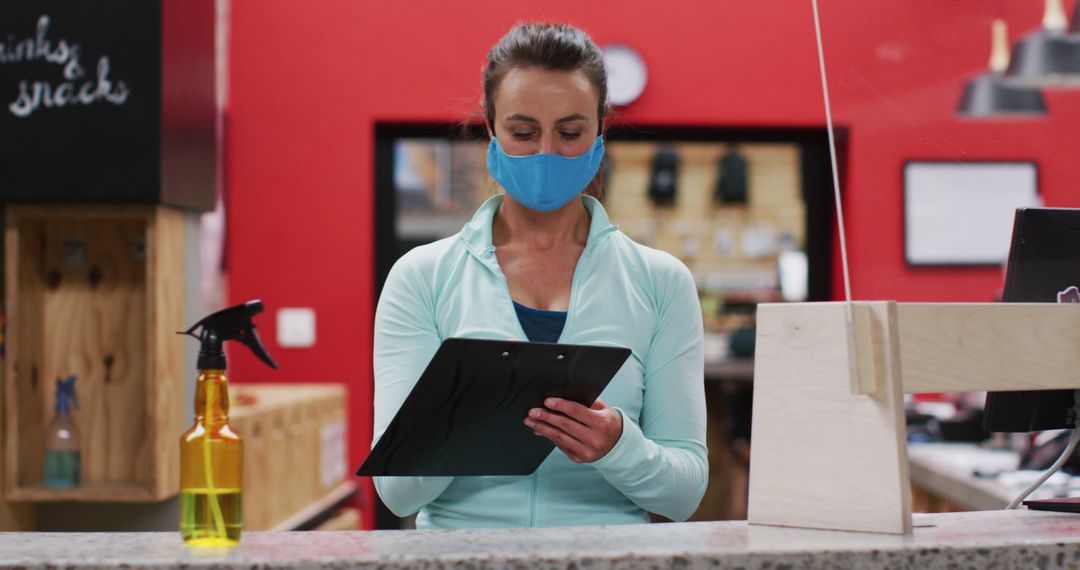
(96, 292)
(294, 451)
(829, 444)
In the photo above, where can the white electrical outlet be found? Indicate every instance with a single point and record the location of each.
(296, 327)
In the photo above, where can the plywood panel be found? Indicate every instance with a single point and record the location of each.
(824, 457)
(13, 516)
(989, 346)
(165, 310)
(24, 386)
(95, 328)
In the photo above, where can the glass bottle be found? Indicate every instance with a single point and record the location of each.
(211, 468)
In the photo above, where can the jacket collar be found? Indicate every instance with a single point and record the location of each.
(477, 233)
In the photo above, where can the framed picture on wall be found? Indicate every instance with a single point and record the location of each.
(961, 213)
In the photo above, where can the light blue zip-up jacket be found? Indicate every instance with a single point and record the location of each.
(623, 294)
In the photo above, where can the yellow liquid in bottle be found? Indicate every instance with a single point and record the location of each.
(211, 469)
(197, 525)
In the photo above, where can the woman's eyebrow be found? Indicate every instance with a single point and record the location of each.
(528, 119)
(574, 117)
(520, 117)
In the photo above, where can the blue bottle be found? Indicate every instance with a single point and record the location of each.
(62, 440)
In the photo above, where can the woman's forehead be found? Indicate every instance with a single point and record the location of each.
(546, 94)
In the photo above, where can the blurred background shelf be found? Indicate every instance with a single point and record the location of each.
(335, 497)
(943, 477)
(730, 370)
(346, 518)
(92, 493)
(96, 292)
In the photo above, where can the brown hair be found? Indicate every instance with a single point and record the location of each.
(554, 47)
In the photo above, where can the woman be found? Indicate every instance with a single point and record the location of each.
(543, 262)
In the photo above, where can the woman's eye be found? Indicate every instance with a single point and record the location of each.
(522, 136)
(568, 135)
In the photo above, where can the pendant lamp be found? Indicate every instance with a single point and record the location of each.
(1049, 57)
(989, 96)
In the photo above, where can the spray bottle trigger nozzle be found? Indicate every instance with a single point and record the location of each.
(233, 323)
(250, 338)
(65, 392)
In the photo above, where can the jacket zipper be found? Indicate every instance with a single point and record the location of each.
(534, 489)
(533, 496)
(574, 282)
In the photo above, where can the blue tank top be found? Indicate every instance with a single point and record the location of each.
(540, 325)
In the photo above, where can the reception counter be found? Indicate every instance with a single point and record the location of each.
(992, 539)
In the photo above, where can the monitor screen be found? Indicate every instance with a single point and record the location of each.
(1044, 265)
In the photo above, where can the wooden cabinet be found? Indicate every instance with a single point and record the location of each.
(96, 292)
(294, 451)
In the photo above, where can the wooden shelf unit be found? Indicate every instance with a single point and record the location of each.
(294, 451)
(98, 292)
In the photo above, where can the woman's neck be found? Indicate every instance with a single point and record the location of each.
(517, 224)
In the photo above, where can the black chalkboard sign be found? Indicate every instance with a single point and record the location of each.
(83, 102)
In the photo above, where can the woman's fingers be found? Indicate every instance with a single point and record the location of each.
(573, 448)
(584, 434)
(570, 426)
(573, 409)
(599, 418)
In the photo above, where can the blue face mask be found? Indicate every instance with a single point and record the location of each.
(544, 182)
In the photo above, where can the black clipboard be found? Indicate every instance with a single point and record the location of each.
(465, 414)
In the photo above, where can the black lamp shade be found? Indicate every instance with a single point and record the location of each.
(1045, 58)
(989, 96)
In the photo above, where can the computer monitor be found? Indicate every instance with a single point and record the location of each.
(1044, 267)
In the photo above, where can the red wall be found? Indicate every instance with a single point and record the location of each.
(308, 80)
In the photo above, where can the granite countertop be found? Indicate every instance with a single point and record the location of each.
(993, 539)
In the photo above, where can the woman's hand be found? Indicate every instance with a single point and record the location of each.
(583, 434)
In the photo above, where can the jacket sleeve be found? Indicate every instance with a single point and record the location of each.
(660, 461)
(405, 340)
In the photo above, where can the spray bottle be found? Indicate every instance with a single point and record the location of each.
(211, 454)
(62, 440)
